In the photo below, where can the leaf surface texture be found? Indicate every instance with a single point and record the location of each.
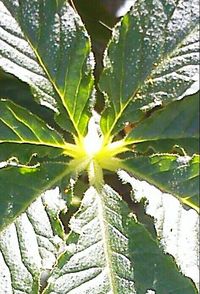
(21, 185)
(152, 60)
(51, 52)
(177, 228)
(175, 125)
(178, 175)
(29, 247)
(107, 250)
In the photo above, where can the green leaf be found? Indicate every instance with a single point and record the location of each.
(177, 228)
(21, 185)
(23, 134)
(153, 269)
(28, 153)
(151, 60)
(178, 175)
(20, 93)
(107, 250)
(17, 125)
(45, 45)
(177, 124)
(97, 260)
(29, 247)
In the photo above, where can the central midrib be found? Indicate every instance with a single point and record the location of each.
(106, 245)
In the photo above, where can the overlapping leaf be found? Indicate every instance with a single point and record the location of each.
(29, 247)
(17, 125)
(20, 93)
(51, 52)
(177, 228)
(178, 175)
(152, 267)
(177, 124)
(23, 134)
(98, 259)
(108, 252)
(151, 60)
(21, 185)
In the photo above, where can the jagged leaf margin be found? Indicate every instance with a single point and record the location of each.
(29, 247)
(177, 227)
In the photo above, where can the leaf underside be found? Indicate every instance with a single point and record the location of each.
(177, 228)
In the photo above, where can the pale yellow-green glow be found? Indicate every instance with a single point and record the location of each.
(93, 154)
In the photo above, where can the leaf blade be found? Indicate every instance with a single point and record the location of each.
(21, 185)
(145, 258)
(147, 46)
(176, 124)
(178, 175)
(85, 262)
(60, 67)
(97, 264)
(24, 135)
(170, 219)
(20, 126)
(29, 247)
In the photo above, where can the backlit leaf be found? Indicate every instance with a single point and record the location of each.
(23, 135)
(17, 125)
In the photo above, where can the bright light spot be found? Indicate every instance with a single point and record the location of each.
(93, 141)
(183, 160)
(125, 8)
(150, 292)
(3, 164)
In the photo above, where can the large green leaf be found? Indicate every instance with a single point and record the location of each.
(151, 60)
(107, 251)
(153, 269)
(20, 185)
(177, 124)
(23, 134)
(45, 44)
(177, 228)
(178, 175)
(29, 247)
